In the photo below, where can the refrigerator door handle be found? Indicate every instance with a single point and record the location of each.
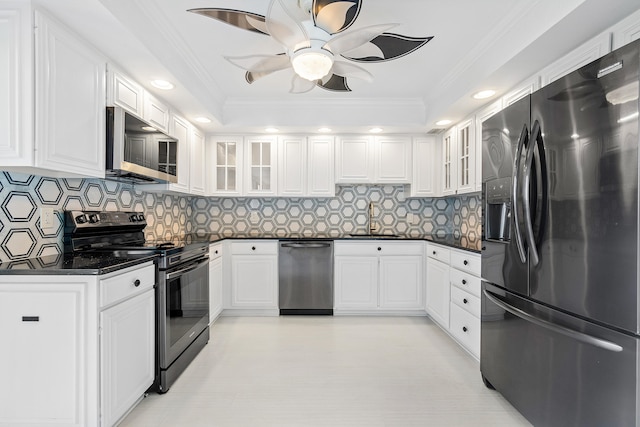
(526, 197)
(571, 333)
(515, 201)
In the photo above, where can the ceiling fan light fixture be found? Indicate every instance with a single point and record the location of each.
(312, 63)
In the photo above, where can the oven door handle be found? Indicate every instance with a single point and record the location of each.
(187, 269)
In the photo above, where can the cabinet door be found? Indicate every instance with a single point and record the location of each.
(254, 280)
(320, 162)
(449, 163)
(401, 282)
(16, 96)
(261, 173)
(215, 288)
(356, 282)
(627, 30)
(127, 353)
(438, 293)
(156, 112)
(425, 167)
(224, 157)
(393, 159)
(354, 160)
(70, 102)
(292, 166)
(124, 92)
(196, 161)
(481, 117)
(466, 176)
(180, 129)
(42, 364)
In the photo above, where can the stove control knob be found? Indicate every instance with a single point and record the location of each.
(140, 217)
(133, 218)
(94, 218)
(82, 219)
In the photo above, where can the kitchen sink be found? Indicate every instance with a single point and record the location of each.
(373, 236)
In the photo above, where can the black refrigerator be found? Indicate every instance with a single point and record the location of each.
(560, 300)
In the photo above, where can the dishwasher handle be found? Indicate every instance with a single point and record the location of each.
(306, 245)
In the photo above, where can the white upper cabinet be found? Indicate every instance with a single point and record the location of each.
(584, 54)
(156, 112)
(481, 117)
(626, 30)
(320, 162)
(525, 88)
(449, 163)
(124, 92)
(426, 162)
(354, 159)
(371, 160)
(70, 101)
(261, 178)
(16, 84)
(292, 166)
(392, 159)
(224, 157)
(466, 157)
(197, 157)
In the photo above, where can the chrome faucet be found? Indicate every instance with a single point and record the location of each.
(372, 224)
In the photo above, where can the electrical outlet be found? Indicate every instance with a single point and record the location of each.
(409, 218)
(46, 218)
(253, 217)
(416, 219)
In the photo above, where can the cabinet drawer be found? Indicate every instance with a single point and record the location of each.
(215, 251)
(466, 261)
(259, 247)
(465, 281)
(466, 329)
(465, 300)
(377, 247)
(438, 252)
(123, 285)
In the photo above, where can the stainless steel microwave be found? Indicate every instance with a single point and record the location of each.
(137, 152)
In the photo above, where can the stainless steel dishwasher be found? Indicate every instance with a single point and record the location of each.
(306, 276)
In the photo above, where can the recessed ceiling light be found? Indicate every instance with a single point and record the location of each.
(484, 94)
(443, 122)
(271, 130)
(324, 130)
(162, 84)
(149, 128)
(375, 130)
(202, 120)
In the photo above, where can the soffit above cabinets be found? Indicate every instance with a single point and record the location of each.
(472, 41)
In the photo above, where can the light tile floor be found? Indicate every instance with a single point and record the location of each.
(328, 371)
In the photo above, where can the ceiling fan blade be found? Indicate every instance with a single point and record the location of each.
(334, 83)
(244, 20)
(353, 39)
(261, 63)
(284, 27)
(335, 16)
(387, 46)
(345, 69)
(300, 85)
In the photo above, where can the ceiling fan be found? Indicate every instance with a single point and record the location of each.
(317, 45)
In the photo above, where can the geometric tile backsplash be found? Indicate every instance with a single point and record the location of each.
(22, 196)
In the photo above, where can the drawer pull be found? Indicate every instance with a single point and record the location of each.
(379, 248)
(136, 283)
(464, 329)
(465, 301)
(464, 281)
(216, 252)
(30, 318)
(253, 248)
(434, 252)
(465, 262)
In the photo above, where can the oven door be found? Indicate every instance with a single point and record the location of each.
(183, 308)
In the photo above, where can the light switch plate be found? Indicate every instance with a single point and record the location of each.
(46, 218)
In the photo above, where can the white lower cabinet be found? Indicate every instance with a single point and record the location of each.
(254, 276)
(81, 348)
(453, 294)
(378, 277)
(215, 281)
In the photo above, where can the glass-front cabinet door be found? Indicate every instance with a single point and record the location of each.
(449, 184)
(261, 174)
(224, 177)
(466, 156)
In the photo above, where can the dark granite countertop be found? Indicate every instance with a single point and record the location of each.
(450, 240)
(70, 264)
